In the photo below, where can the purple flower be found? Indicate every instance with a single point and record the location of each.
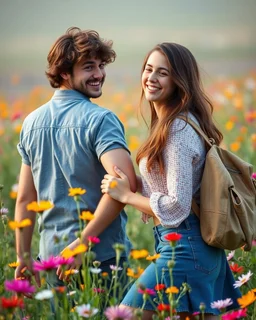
(47, 265)
(118, 313)
(19, 286)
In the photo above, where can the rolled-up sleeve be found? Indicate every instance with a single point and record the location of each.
(109, 135)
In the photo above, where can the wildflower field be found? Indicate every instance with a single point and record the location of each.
(234, 101)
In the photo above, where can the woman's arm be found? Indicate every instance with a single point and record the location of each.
(119, 189)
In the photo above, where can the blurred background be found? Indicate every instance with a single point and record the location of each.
(220, 34)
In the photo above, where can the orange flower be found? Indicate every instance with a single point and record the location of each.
(39, 206)
(134, 273)
(229, 125)
(113, 184)
(139, 254)
(19, 225)
(247, 299)
(86, 215)
(172, 290)
(153, 258)
(68, 253)
(235, 146)
(13, 264)
(13, 194)
(76, 192)
(70, 272)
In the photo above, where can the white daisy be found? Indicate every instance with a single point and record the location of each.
(95, 270)
(230, 255)
(86, 311)
(221, 304)
(244, 278)
(44, 295)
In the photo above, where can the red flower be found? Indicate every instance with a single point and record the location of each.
(173, 237)
(159, 287)
(163, 307)
(12, 302)
(236, 268)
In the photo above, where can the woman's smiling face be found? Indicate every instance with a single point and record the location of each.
(156, 79)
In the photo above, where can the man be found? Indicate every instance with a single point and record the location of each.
(71, 143)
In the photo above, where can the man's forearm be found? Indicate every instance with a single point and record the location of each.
(24, 236)
(107, 210)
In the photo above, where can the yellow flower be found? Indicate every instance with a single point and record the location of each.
(68, 253)
(229, 125)
(13, 194)
(13, 264)
(76, 192)
(86, 215)
(153, 258)
(253, 137)
(139, 254)
(134, 143)
(113, 184)
(134, 273)
(19, 225)
(172, 290)
(17, 128)
(70, 272)
(247, 299)
(39, 206)
(235, 146)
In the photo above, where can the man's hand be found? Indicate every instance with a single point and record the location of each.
(25, 271)
(76, 264)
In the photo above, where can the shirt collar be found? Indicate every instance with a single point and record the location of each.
(69, 94)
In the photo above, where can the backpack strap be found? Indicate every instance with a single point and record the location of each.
(195, 208)
(210, 141)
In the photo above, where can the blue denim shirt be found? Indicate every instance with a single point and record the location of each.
(63, 141)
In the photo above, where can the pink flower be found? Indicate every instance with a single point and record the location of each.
(221, 304)
(254, 175)
(238, 314)
(47, 265)
(117, 312)
(16, 116)
(93, 240)
(19, 286)
(65, 261)
(149, 292)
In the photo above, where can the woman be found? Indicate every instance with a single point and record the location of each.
(171, 163)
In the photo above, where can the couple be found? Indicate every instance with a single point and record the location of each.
(71, 142)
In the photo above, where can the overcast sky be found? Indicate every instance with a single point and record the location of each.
(210, 28)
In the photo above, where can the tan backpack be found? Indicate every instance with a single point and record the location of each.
(227, 198)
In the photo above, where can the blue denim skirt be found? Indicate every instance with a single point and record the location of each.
(204, 268)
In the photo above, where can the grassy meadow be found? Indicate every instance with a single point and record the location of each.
(234, 101)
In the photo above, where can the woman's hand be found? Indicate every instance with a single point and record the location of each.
(118, 188)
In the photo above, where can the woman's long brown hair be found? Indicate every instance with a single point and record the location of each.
(188, 96)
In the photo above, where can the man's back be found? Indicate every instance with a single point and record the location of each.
(63, 141)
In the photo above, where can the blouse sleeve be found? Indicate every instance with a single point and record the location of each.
(181, 150)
